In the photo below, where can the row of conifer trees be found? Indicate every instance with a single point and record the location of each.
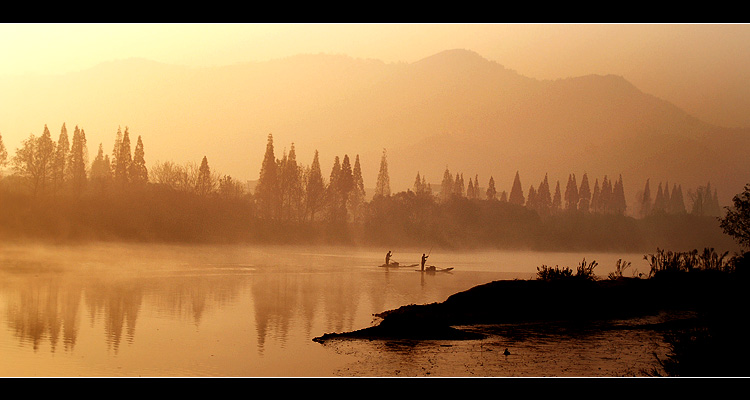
(287, 190)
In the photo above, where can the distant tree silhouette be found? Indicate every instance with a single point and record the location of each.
(383, 184)
(606, 196)
(78, 161)
(417, 187)
(584, 194)
(101, 174)
(557, 199)
(458, 185)
(504, 196)
(230, 188)
(346, 182)
(532, 202)
(644, 201)
(138, 171)
(291, 187)
(25, 164)
(677, 201)
(315, 188)
(33, 161)
(357, 193)
(618, 197)
(124, 159)
(736, 222)
(446, 186)
(116, 151)
(544, 198)
(571, 193)
(205, 184)
(705, 201)
(167, 174)
(470, 193)
(267, 189)
(60, 162)
(345, 185)
(516, 192)
(597, 205)
(427, 186)
(491, 191)
(660, 202)
(335, 205)
(3, 154)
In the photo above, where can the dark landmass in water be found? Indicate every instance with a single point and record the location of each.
(715, 298)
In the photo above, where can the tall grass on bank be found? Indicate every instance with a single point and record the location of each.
(584, 271)
(665, 261)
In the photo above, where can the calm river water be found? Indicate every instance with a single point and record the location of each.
(242, 311)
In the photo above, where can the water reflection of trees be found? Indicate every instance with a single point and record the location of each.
(44, 309)
(49, 308)
(117, 303)
(279, 303)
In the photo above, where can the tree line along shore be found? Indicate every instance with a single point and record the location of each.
(51, 191)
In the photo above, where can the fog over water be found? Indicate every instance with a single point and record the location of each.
(164, 310)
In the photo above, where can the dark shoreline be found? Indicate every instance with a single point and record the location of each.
(714, 300)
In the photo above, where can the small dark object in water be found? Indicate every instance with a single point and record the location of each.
(506, 352)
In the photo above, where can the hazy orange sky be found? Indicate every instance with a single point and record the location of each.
(702, 68)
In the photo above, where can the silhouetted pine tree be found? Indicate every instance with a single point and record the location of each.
(660, 202)
(418, 189)
(618, 197)
(138, 171)
(705, 201)
(346, 184)
(357, 194)
(596, 201)
(470, 193)
(516, 192)
(78, 161)
(458, 185)
(116, 151)
(101, 174)
(314, 189)
(204, 185)
(334, 204)
(571, 193)
(383, 184)
(584, 194)
(426, 186)
(44, 155)
(644, 201)
(607, 196)
(504, 196)
(491, 191)
(544, 198)
(446, 187)
(290, 186)
(676, 201)
(124, 159)
(557, 199)
(267, 189)
(532, 202)
(61, 157)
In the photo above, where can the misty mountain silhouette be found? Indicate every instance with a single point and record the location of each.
(454, 109)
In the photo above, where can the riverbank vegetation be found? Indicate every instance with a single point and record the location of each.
(50, 191)
(705, 290)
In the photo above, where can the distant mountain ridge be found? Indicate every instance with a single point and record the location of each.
(454, 109)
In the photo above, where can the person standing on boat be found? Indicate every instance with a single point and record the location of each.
(388, 257)
(424, 259)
